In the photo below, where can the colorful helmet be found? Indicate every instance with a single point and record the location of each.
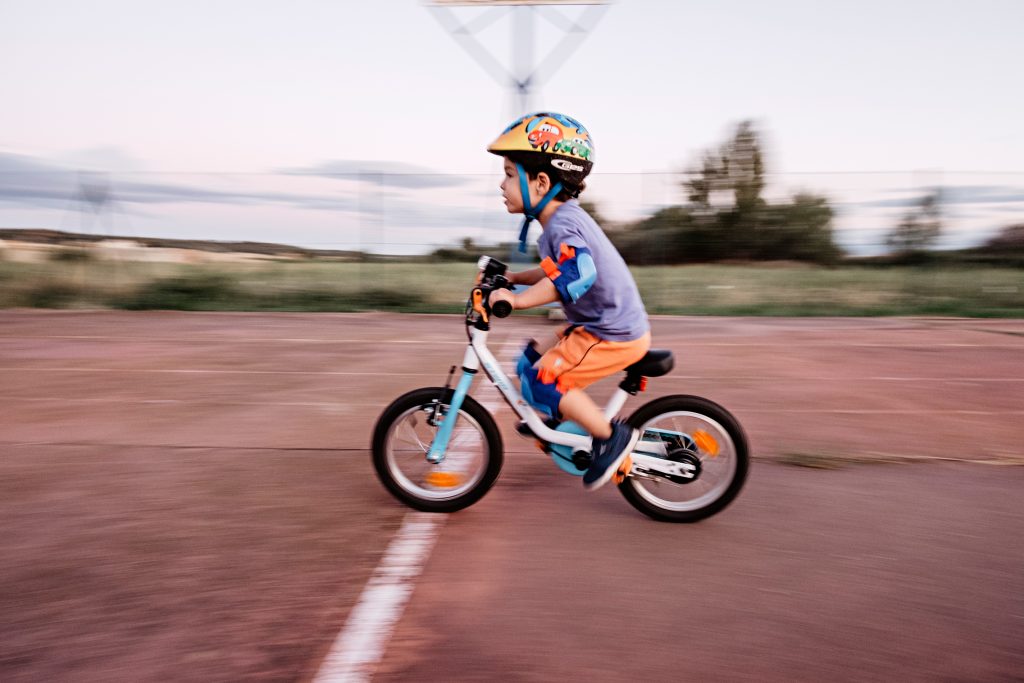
(560, 142)
(557, 143)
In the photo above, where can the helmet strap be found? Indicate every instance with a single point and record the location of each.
(531, 212)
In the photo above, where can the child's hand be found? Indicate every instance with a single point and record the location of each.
(501, 295)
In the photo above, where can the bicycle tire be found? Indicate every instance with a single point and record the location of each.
(424, 498)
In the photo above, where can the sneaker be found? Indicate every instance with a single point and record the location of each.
(609, 454)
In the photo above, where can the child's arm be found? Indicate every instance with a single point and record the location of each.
(527, 277)
(542, 292)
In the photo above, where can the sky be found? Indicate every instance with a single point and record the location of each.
(340, 124)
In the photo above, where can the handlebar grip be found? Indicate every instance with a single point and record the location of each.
(501, 309)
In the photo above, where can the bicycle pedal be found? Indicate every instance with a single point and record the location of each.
(623, 471)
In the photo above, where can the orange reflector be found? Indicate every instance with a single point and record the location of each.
(643, 384)
(706, 442)
(444, 480)
(623, 471)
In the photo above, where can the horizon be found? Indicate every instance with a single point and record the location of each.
(241, 121)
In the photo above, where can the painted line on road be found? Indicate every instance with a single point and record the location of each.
(872, 411)
(490, 405)
(244, 340)
(216, 371)
(175, 401)
(690, 342)
(361, 644)
(661, 380)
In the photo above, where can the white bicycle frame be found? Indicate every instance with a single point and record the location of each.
(651, 460)
(478, 354)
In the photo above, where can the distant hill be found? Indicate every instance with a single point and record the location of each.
(58, 237)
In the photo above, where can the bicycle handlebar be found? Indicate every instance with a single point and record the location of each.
(492, 277)
(501, 309)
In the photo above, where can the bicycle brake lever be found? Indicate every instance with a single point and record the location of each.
(479, 305)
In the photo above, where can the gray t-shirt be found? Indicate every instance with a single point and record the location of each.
(611, 309)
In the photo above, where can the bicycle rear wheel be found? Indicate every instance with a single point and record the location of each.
(402, 438)
(704, 435)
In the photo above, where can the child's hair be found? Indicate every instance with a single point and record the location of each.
(534, 164)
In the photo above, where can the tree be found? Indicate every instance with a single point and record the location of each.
(595, 213)
(1010, 238)
(726, 196)
(800, 230)
(737, 168)
(730, 219)
(919, 228)
(727, 218)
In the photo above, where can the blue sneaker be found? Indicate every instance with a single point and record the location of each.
(609, 455)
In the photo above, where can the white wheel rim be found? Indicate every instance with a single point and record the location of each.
(407, 442)
(717, 472)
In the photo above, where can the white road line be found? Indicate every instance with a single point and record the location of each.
(492, 405)
(661, 380)
(175, 401)
(802, 378)
(215, 371)
(869, 411)
(361, 644)
(690, 342)
(244, 340)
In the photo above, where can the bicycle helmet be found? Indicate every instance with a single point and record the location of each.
(555, 143)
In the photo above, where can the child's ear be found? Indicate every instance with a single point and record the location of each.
(543, 183)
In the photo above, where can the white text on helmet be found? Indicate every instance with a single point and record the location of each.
(565, 165)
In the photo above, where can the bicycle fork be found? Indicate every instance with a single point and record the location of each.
(439, 446)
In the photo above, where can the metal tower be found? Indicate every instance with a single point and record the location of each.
(523, 74)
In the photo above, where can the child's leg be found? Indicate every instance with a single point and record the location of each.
(554, 382)
(582, 410)
(578, 360)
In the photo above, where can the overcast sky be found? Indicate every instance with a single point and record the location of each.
(867, 102)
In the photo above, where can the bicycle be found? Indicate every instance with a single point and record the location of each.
(690, 463)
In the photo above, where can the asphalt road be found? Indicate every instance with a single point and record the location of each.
(189, 496)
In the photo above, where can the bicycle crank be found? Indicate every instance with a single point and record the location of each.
(683, 469)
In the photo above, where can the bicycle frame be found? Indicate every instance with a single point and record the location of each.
(477, 355)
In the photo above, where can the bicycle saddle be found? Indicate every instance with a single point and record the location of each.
(656, 363)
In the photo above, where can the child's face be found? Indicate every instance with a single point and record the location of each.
(511, 193)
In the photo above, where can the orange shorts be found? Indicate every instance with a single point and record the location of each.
(579, 359)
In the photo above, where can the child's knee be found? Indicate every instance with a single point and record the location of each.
(542, 395)
(528, 358)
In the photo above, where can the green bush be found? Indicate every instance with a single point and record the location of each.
(205, 291)
(50, 295)
(71, 255)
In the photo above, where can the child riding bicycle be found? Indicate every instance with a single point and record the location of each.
(609, 330)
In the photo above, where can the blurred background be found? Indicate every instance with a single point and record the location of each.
(238, 143)
(190, 496)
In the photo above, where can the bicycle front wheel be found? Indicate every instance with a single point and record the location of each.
(401, 441)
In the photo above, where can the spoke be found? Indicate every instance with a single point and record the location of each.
(415, 437)
(466, 456)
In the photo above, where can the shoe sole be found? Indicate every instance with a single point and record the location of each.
(614, 467)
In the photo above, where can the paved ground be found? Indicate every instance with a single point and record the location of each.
(188, 496)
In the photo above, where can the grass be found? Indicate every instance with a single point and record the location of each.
(757, 290)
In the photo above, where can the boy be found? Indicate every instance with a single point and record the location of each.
(547, 156)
